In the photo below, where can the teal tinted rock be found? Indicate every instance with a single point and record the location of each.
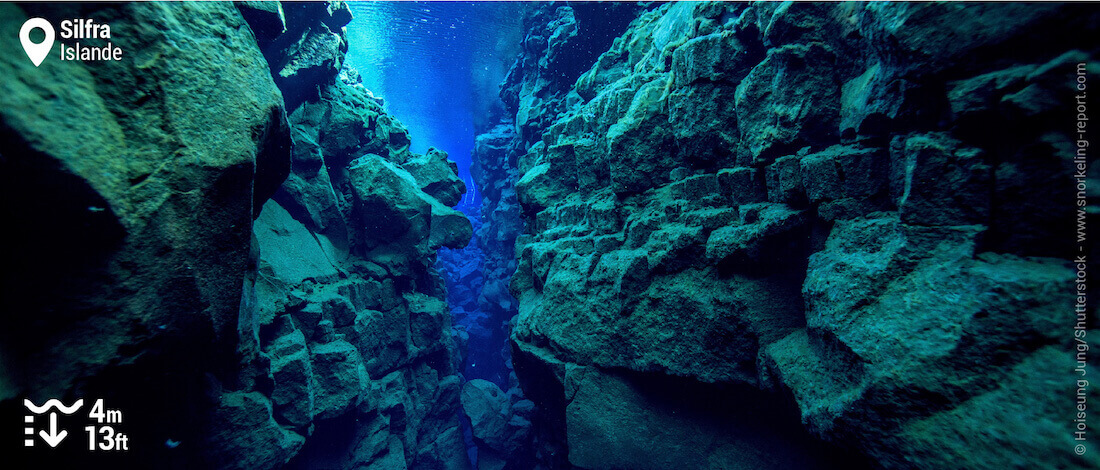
(841, 172)
(123, 183)
(290, 251)
(428, 322)
(888, 262)
(718, 57)
(789, 100)
(878, 101)
(336, 308)
(537, 189)
(371, 220)
(960, 34)
(246, 436)
(703, 122)
(447, 452)
(934, 163)
(1022, 406)
(383, 338)
(355, 118)
(314, 57)
(393, 458)
(635, 138)
(487, 407)
(292, 396)
(695, 188)
(752, 194)
(389, 205)
(747, 241)
(449, 228)
(437, 176)
(140, 183)
(794, 23)
(741, 185)
(785, 180)
(339, 378)
(339, 15)
(612, 422)
(266, 19)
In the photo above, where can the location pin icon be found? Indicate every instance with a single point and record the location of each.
(37, 52)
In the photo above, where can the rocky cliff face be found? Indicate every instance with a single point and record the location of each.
(757, 235)
(349, 329)
(560, 43)
(129, 189)
(246, 273)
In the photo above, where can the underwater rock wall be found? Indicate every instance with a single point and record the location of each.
(500, 415)
(765, 235)
(501, 223)
(348, 333)
(561, 42)
(230, 242)
(130, 194)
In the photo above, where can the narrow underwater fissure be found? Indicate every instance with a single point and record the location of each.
(551, 236)
(438, 66)
(439, 41)
(749, 200)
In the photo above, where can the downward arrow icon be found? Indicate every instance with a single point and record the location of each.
(53, 438)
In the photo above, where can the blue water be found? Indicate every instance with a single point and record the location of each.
(438, 66)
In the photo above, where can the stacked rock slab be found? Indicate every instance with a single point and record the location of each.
(154, 271)
(855, 217)
(349, 332)
(561, 42)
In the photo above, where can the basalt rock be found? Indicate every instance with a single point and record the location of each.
(852, 216)
(346, 254)
(237, 320)
(560, 43)
(500, 426)
(304, 43)
(437, 176)
(266, 18)
(133, 190)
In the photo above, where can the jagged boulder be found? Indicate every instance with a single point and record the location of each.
(390, 206)
(944, 184)
(350, 208)
(247, 436)
(501, 430)
(292, 397)
(487, 407)
(308, 52)
(437, 176)
(388, 202)
(788, 101)
(339, 377)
